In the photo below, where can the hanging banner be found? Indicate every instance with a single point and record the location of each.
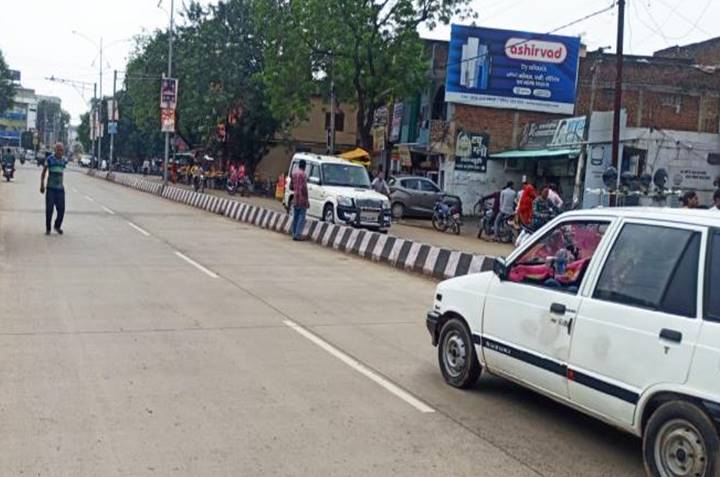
(471, 152)
(396, 122)
(512, 70)
(168, 93)
(112, 110)
(167, 120)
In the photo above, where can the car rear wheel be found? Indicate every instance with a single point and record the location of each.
(398, 211)
(456, 355)
(680, 440)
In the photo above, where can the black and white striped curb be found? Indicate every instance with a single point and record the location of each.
(400, 253)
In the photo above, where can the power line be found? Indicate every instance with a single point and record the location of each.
(562, 27)
(683, 17)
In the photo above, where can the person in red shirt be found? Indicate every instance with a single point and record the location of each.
(298, 184)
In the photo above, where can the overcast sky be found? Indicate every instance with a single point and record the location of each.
(36, 36)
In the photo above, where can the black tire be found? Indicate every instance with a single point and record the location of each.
(438, 225)
(289, 208)
(329, 214)
(398, 211)
(456, 355)
(680, 439)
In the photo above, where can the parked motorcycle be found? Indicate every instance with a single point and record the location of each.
(8, 171)
(232, 186)
(487, 222)
(447, 216)
(199, 183)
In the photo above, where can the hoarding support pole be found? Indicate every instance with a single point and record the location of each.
(169, 75)
(618, 91)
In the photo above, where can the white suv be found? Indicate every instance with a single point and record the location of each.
(339, 191)
(614, 312)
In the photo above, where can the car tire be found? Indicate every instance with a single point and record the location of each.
(680, 439)
(398, 211)
(456, 355)
(289, 208)
(329, 214)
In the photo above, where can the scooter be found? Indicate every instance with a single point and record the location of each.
(446, 216)
(8, 171)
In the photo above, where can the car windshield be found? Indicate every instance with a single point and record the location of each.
(346, 175)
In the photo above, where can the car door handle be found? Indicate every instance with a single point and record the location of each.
(671, 335)
(558, 309)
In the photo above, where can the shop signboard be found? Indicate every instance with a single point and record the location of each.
(559, 133)
(168, 93)
(512, 70)
(167, 120)
(396, 122)
(471, 152)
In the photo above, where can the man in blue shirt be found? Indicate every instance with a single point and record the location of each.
(55, 193)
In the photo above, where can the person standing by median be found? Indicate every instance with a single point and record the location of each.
(54, 191)
(298, 184)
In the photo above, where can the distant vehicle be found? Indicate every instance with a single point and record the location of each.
(613, 312)
(339, 191)
(85, 160)
(413, 196)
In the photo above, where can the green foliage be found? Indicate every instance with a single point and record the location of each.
(371, 48)
(83, 131)
(7, 87)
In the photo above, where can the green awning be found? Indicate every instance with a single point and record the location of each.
(536, 154)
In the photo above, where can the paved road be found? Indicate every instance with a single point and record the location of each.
(413, 229)
(156, 339)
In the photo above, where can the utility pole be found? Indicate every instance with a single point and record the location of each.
(616, 161)
(93, 126)
(332, 106)
(169, 75)
(112, 119)
(100, 121)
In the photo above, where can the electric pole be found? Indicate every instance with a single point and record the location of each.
(112, 119)
(93, 126)
(616, 162)
(169, 75)
(332, 107)
(100, 121)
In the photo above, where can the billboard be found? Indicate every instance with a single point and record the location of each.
(168, 93)
(512, 70)
(471, 152)
(167, 120)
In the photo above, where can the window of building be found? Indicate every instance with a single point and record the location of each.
(339, 121)
(652, 267)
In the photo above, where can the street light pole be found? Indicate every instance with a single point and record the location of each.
(111, 118)
(169, 75)
(93, 126)
(100, 109)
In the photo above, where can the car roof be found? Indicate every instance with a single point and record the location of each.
(709, 218)
(308, 156)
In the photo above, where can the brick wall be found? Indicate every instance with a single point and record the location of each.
(703, 53)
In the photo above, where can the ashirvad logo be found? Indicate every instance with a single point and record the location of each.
(535, 50)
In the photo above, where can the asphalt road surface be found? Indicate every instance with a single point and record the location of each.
(156, 339)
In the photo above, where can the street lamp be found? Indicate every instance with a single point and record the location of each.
(169, 75)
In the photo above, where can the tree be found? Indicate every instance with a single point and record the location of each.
(371, 48)
(7, 86)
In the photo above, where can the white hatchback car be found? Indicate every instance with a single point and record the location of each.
(339, 191)
(614, 312)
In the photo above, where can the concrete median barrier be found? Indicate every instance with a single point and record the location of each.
(397, 252)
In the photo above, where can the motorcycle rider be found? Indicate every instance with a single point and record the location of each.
(495, 197)
(543, 209)
(197, 172)
(8, 159)
(506, 208)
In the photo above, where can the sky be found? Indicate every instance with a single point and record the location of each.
(36, 36)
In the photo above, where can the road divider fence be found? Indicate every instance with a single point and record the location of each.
(397, 252)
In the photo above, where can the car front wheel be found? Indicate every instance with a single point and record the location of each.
(329, 214)
(456, 354)
(680, 440)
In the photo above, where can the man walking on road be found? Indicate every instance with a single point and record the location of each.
(298, 184)
(55, 193)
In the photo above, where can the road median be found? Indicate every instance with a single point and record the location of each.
(403, 254)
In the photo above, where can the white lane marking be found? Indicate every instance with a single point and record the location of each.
(107, 210)
(142, 231)
(361, 368)
(89, 198)
(192, 262)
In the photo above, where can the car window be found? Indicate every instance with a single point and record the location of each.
(652, 267)
(345, 175)
(428, 186)
(712, 282)
(313, 171)
(413, 184)
(560, 258)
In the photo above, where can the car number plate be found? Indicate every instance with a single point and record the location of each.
(368, 216)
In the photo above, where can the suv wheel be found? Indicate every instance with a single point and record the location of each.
(329, 214)
(398, 210)
(456, 355)
(680, 440)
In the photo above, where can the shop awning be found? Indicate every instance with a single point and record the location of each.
(536, 154)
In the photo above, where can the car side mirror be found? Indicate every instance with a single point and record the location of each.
(500, 268)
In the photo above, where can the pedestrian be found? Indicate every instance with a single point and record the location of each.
(716, 200)
(690, 200)
(146, 167)
(507, 206)
(54, 191)
(379, 184)
(298, 184)
(543, 209)
(554, 196)
(525, 205)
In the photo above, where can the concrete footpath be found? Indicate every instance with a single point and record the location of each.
(405, 254)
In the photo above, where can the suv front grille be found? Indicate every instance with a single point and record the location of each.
(369, 204)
